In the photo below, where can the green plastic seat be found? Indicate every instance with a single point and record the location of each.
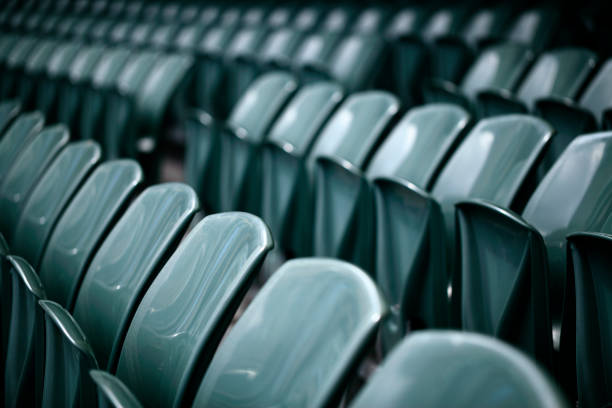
(307, 18)
(29, 167)
(83, 225)
(58, 67)
(286, 199)
(80, 29)
(9, 110)
(103, 77)
(356, 63)
(315, 50)
(531, 250)
(438, 368)
(410, 158)
(498, 68)
(140, 34)
(100, 30)
(127, 262)
(312, 321)
(222, 160)
(16, 137)
(280, 16)
(253, 16)
(338, 19)
(535, 28)
(163, 36)
(49, 25)
(558, 75)
(371, 20)
(70, 92)
(7, 42)
(342, 200)
(207, 15)
(589, 266)
(112, 392)
(196, 293)
(188, 37)
(49, 198)
(120, 33)
(13, 66)
(64, 26)
(277, 50)
(34, 71)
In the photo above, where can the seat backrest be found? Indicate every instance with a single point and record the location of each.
(20, 51)
(257, 108)
(371, 20)
(9, 109)
(311, 322)
(85, 62)
(81, 228)
(50, 196)
(140, 33)
(280, 45)
(431, 368)
(189, 36)
(246, 42)
(30, 165)
(127, 262)
(404, 22)
(356, 127)
(136, 71)
(196, 293)
(16, 137)
(316, 48)
(110, 66)
(40, 55)
(557, 74)
(61, 60)
(499, 67)
(535, 28)
(163, 35)
(417, 146)
(590, 257)
(596, 98)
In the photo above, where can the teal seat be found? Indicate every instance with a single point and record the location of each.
(535, 28)
(17, 136)
(64, 26)
(7, 42)
(356, 63)
(29, 167)
(58, 66)
(406, 244)
(498, 68)
(519, 285)
(70, 92)
(338, 19)
(557, 75)
(589, 266)
(100, 30)
(13, 66)
(9, 110)
(103, 78)
(312, 321)
(140, 34)
(222, 159)
(307, 18)
(49, 198)
(371, 20)
(315, 51)
(34, 71)
(83, 225)
(286, 200)
(48, 26)
(207, 15)
(196, 293)
(342, 200)
(80, 30)
(112, 392)
(438, 368)
(163, 36)
(280, 16)
(120, 33)
(188, 37)
(277, 50)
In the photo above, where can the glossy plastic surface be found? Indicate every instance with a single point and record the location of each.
(311, 322)
(596, 98)
(187, 309)
(25, 174)
(18, 135)
(9, 109)
(589, 262)
(112, 393)
(429, 369)
(127, 262)
(50, 196)
(58, 67)
(81, 228)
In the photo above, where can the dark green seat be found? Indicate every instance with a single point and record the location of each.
(9, 110)
(589, 265)
(49, 198)
(286, 199)
(14, 64)
(80, 30)
(498, 68)
(277, 50)
(140, 34)
(406, 245)
(307, 18)
(356, 63)
(57, 67)
(312, 321)
(222, 160)
(16, 137)
(7, 42)
(371, 20)
(211, 270)
(531, 250)
(207, 15)
(437, 368)
(338, 19)
(279, 17)
(315, 50)
(112, 392)
(64, 26)
(558, 75)
(103, 78)
(100, 31)
(535, 28)
(342, 206)
(29, 167)
(48, 26)
(163, 36)
(83, 225)
(35, 71)
(70, 92)
(253, 16)
(188, 37)
(120, 33)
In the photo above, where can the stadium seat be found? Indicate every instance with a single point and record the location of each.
(16, 137)
(558, 75)
(276, 51)
(188, 37)
(535, 28)
(83, 225)
(307, 18)
(371, 20)
(34, 72)
(140, 34)
(120, 33)
(315, 50)
(9, 110)
(222, 160)
(23, 176)
(343, 203)
(589, 266)
(163, 36)
(406, 248)
(431, 368)
(286, 199)
(531, 250)
(312, 321)
(49, 198)
(112, 392)
(100, 31)
(14, 63)
(212, 269)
